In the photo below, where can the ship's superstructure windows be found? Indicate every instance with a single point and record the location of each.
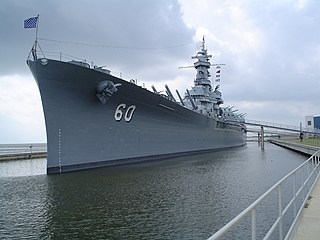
(201, 97)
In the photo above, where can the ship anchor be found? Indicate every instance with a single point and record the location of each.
(105, 89)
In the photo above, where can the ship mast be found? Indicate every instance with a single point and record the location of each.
(202, 66)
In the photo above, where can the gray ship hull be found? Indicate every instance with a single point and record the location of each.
(134, 124)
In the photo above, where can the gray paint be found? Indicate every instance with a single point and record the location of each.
(83, 133)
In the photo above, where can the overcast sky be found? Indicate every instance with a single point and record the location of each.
(271, 50)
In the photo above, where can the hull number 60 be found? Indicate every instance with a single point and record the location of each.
(123, 111)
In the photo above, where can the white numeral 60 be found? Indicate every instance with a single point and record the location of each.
(128, 113)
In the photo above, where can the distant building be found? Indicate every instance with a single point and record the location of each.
(312, 122)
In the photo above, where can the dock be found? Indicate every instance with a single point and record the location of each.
(297, 147)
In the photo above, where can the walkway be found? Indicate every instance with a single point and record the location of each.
(281, 127)
(309, 226)
(22, 151)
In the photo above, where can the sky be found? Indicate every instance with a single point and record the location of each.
(270, 48)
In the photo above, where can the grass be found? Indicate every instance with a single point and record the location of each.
(308, 141)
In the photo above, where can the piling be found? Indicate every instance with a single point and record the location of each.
(262, 138)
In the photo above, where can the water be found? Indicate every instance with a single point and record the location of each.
(187, 197)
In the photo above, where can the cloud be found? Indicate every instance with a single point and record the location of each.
(21, 116)
(124, 26)
(145, 40)
(271, 50)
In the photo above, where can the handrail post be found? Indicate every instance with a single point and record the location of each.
(294, 195)
(303, 184)
(308, 174)
(280, 212)
(254, 224)
(314, 166)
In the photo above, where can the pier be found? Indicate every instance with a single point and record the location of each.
(22, 151)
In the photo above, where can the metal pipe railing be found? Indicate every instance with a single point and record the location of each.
(312, 166)
(281, 126)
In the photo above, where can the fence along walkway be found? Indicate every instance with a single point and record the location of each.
(309, 172)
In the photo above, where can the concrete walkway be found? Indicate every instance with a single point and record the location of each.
(21, 156)
(309, 226)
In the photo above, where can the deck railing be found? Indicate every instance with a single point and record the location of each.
(302, 181)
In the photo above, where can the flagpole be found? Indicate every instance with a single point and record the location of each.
(34, 49)
(37, 24)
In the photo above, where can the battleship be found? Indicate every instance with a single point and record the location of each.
(95, 119)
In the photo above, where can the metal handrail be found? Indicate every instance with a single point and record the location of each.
(281, 126)
(314, 172)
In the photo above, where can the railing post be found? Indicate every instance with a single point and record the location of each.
(315, 167)
(294, 195)
(303, 189)
(280, 212)
(317, 164)
(308, 175)
(313, 162)
(254, 224)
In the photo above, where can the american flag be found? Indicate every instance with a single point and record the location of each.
(31, 22)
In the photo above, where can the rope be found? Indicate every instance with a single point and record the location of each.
(115, 47)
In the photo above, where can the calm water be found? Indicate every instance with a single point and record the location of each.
(180, 198)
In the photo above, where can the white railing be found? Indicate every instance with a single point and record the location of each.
(308, 173)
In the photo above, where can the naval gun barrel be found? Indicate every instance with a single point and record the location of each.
(169, 93)
(191, 100)
(182, 103)
(154, 89)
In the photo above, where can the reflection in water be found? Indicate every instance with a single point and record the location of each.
(186, 197)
